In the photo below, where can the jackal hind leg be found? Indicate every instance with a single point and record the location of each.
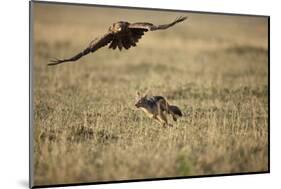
(160, 121)
(174, 117)
(155, 117)
(161, 116)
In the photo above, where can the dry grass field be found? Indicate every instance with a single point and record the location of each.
(85, 125)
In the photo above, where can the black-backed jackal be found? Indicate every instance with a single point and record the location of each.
(155, 106)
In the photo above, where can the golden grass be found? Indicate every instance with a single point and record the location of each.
(86, 127)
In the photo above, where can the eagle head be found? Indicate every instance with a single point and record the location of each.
(117, 27)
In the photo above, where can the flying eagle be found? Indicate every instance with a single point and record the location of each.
(120, 34)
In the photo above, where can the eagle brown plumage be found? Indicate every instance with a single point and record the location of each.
(120, 34)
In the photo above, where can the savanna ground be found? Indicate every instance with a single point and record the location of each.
(85, 125)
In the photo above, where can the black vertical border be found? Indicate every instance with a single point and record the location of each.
(268, 47)
(31, 170)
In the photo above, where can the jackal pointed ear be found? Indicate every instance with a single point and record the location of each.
(147, 93)
(138, 95)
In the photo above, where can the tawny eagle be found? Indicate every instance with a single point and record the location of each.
(120, 34)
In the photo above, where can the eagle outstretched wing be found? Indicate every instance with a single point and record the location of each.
(93, 46)
(126, 38)
(151, 27)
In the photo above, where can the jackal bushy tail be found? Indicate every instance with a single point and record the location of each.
(175, 111)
